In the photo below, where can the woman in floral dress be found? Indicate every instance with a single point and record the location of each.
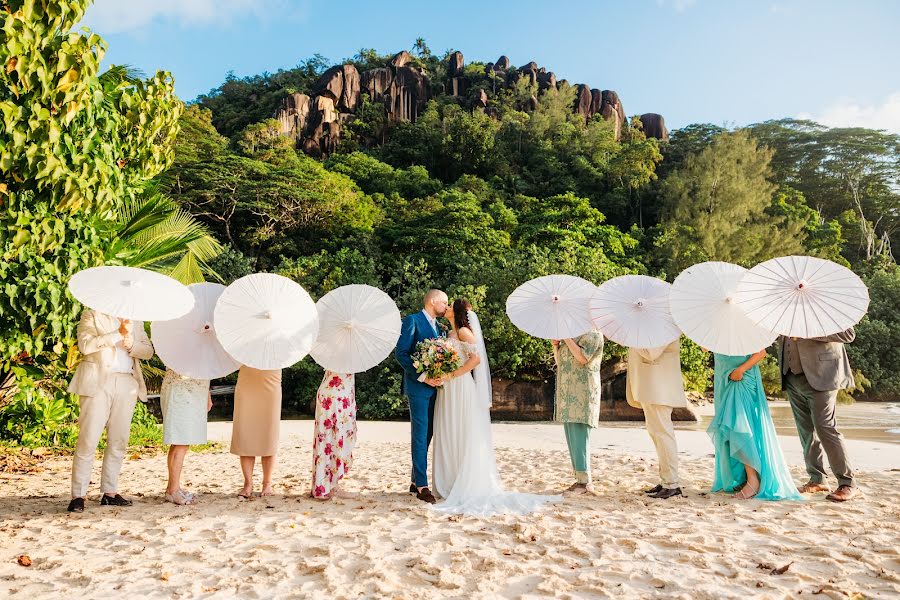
(335, 434)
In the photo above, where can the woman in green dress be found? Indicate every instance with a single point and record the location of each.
(578, 400)
(749, 461)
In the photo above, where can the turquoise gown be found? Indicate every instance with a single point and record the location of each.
(743, 433)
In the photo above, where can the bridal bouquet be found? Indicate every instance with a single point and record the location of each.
(435, 358)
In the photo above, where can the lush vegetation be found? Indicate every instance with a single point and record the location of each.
(78, 154)
(112, 168)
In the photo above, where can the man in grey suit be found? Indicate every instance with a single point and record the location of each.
(812, 372)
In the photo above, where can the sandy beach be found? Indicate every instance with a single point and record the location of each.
(388, 545)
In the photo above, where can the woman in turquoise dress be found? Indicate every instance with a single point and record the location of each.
(749, 461)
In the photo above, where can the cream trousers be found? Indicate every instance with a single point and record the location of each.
(110, 409)
(659, 426)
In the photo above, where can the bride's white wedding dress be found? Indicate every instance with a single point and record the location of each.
(465, 469)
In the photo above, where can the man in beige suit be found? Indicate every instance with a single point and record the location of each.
(812, 372)
(109, 382)
(654, 384)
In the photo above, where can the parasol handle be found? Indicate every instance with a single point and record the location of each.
(802, 284)
(555, 298)
(639, 303)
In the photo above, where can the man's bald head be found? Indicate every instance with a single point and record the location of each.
(435, 302)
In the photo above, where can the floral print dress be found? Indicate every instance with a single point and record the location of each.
(577, 386)
(335, 433)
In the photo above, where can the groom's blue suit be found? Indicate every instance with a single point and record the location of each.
(417, 328)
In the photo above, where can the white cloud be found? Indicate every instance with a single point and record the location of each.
(848, 113)
(678, 5)
(117, 16)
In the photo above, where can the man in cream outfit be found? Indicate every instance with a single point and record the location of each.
(110, 382)
(654, 384)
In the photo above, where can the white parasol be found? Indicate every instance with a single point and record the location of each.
(703, 306)
(633, 310)
(358, 328)
(188, 345)
(552, 307)
(131, 293)
(803, 296)
(266, 321)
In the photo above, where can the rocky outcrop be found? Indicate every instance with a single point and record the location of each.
(611, 109)
(655, 126)
(455, 75)
(316, 120)
(583, 101)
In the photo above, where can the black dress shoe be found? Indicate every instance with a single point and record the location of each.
(665, 494)
(76, 505)
(426, 496)
(116, 500)
(655, 489)
(413, 489)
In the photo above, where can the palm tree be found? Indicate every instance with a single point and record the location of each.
(154, 233)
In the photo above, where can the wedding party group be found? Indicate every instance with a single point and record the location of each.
(263, 323)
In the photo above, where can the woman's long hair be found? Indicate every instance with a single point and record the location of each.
(461, 308)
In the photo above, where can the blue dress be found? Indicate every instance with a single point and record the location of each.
(743, 433)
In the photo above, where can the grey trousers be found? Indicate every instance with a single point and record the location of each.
(814, 413)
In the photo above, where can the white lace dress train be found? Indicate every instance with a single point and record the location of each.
(465, 468)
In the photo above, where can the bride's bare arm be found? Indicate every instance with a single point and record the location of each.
(465, 335)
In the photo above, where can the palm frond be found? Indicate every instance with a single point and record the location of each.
(163, 237)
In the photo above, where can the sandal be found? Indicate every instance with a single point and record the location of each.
(742, 494)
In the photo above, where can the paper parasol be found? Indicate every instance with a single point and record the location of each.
(703, 306)
(552, 307)
(803, 296)
(266, 321)
(131, 293)
(188, 345)
(633, 310)
(358, 328)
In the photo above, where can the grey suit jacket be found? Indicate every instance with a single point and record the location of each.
(824, 361)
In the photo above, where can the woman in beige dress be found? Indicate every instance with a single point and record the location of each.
(257, 415)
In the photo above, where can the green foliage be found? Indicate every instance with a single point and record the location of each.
(696, 368)
(876, 350)
(717, 208)
(75, 147)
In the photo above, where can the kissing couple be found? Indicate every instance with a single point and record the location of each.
(455, 410)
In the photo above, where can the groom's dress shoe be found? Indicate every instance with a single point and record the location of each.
(654, 490)
(76, 505)
(116, 500)
(426, 496)
(413, 489)
(665, 494)
(844, 493)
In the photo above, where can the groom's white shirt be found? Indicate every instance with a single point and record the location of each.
(431, 320)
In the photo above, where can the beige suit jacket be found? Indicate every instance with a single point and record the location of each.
(97, 336)
(654, 377)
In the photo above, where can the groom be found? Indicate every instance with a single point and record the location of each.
(416, 328)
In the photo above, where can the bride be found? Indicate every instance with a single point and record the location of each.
(465, 469)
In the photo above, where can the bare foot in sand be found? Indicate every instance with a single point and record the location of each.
(267, 490)
(246, 491)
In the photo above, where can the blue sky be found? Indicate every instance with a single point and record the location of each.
(726, 61)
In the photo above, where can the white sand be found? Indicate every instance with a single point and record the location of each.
(386, 544)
